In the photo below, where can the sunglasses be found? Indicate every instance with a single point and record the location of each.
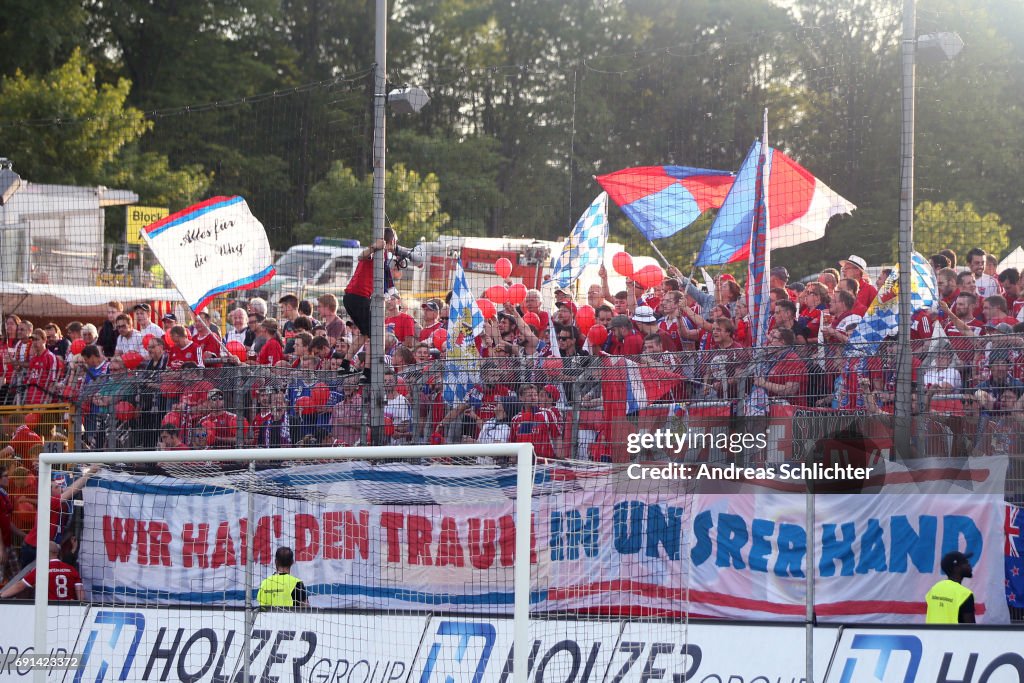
(565, 339)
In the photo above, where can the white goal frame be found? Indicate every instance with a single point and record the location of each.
(523, 454)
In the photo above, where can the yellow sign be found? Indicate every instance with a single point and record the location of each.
(139, 217)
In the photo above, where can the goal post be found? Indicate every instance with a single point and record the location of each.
(521, 454)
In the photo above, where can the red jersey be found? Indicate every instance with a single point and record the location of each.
(488, 396)
(742, 335)
(671, 334)
(64, 581)
(401, 325)
(177, 356)
(361, 283)
(208, 345)
(790, 368)
(536, 426)
(222, 429)
(271, 353)
(42, 372)
(632, 345)
(921, 325)
(56, 523)
(811, 319)
(1015, 308)
(866, 294)
(427, 332)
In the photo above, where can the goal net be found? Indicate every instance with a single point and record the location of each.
(410, 561)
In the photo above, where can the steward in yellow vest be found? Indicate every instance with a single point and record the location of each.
(281, 589)
(948, 601)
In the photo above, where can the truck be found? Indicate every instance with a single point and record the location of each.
(308, 270)
(326, 265)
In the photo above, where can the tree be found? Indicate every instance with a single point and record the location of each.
(91, 124)
(36, 37)
(341, 205)
(941, 225)
(467, 169)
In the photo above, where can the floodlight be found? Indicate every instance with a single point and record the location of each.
(938, 47)
(10, 182)
(408, 100)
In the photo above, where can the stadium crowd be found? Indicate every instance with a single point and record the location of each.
(575, 380)
(544, 376)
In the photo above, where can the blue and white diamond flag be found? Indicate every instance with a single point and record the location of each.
(465, 322)
(882, 319)
(585, 245)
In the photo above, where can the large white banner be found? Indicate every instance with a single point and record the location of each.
(210, 248)
(599, 542)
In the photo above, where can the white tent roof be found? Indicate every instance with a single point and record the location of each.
(1015, 259)
(28, 299)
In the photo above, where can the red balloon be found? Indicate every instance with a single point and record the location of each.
(497, 293)
(389, 426)
(597, 335)
(145, 341)
(124, 411)
(77, 346)
(585, 317)
(649, 276)
(238, 350)
(305, 405)
(440, 336)
(132, 359)
(487, 308)
(531, 318)
(321, 394)
(503, 267)
(622, 263)
(517, 293)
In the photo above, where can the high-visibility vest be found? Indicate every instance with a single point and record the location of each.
(276, 591)
(944, 601)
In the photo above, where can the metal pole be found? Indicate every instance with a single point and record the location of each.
(250, 614)
(811, 568)
(521, 569)
(42, 562)
(904, 396)
(377, 298)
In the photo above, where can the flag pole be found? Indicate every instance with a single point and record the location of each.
(658, 252)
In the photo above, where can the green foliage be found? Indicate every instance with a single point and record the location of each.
(36, 37)
(467, 169)
(151, 177)
(941, 225)
(529, 100)
(342, 206)
(99, 123)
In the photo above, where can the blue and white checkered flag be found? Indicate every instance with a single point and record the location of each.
(585, 245)
(882, 318)
(465, 322)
